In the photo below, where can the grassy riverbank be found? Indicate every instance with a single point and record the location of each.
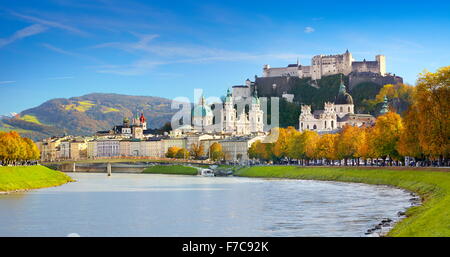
(171, 169)
(14, 178)
(432, 218)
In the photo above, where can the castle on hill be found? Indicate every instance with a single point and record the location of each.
(324, 65)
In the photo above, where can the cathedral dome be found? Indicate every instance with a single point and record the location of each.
(343, 97)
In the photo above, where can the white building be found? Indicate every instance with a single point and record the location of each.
(235, 149)
(334, 116)
(103, 148)
(248, 121)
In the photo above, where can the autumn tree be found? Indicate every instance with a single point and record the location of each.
(302, 146)
(182, 153)
(172, 151)
(216, 152)
(346, 147)
(281, 146)
(385, 136)
(433, 108)
(261, 151)
(408, 144)
(325, 148)
(14, 148)
(197, 150)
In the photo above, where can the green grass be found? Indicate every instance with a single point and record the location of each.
(171, 169)
(431, 219)
(30, 177)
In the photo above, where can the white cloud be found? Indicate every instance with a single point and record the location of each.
(309, 30)
(23, 33)
(156, 54)
(7, 82)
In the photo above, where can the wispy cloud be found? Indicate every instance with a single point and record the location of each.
(58, 50)
(69, 53)
(23, 33)
(137, 68)
(7, 82)
(309, 30)
(59, 78)
(49, 23)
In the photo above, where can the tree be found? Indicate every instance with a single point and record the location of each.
(433, 108)
(261, 151)
(326, 148)
(14, 148)
(346, 146)
(408, 144)
(281, 146)
(302, 146)
(311, 138)
(172, 151)
(399, 95)
(182, 153)
(386, 134)
(197, 150)
(362, 144)
(216, 152)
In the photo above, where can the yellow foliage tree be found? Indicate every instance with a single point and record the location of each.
(326, 148)
(433, 109)
(197, 150)
(172, 151)
(385, 135)
(216, 152)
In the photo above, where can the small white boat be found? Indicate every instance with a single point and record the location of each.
(207, 172)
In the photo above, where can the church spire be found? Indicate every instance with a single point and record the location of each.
(385, 106)
(342, 87)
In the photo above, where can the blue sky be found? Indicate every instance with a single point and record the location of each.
(61, 48)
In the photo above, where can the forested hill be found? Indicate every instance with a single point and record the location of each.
(84, 115)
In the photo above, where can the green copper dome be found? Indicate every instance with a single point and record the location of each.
(229, 97)
(255, 98)
(343, 97)
(385, 106)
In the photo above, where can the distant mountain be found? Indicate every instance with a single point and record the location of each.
(84, 115)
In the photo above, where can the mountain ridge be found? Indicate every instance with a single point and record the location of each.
(86, 114)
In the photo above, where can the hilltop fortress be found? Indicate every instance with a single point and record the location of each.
(324, 65)
(276, 81)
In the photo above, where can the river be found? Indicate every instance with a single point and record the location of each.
(173, 205)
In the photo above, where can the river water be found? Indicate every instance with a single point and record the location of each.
(172, 205)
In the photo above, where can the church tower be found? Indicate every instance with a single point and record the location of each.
(256, 114)
(229, 114)
(385, 106)
(143, 121)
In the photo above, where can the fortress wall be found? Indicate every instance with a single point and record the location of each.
(366, 66)
(358, 77)
(283, 84)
